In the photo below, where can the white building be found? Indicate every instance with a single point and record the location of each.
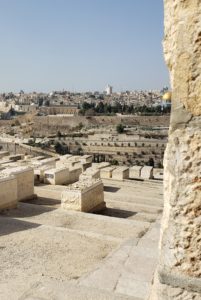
(108, 90)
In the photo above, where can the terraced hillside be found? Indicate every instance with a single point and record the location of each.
(49, 253)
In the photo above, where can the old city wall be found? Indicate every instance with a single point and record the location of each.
(179, 269)
(51, 124)
(14, 148)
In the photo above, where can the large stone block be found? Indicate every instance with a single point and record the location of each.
(106, 173)
(8, 191)
(147, 172)
(74, 174)
(120, 173)
(16, 157)
(85, 165)
(86, 158)
(39, 173)
(3, 154)
(101, 165)
(178, 275)
(90, 174)
(25, 181)
(56, 176)
(85, 196)
(135, 172)
(182, 54)
(50, 162)
(65, 157)
(158, 173)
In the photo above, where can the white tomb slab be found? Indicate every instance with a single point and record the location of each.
(158, 173)
(90, 174)
(147, 172)
(3, 154)
(85, 196)
(135, 172)
(8, 191)
(106, 173)
(25, 181)
(56, 176)
(120, 173)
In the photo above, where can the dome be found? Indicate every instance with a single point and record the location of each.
(167, 96)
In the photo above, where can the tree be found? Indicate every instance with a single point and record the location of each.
(59, 134)
(90, 112)
(151, 162)
(100, 108)
(61, 148)
(120, 128)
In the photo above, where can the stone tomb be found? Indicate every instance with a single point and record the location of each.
(135, 172)
(69, 163)
(16, 157)
(90, 173)
(86, 158)
(158, 173)
(56, 176)
(25, 181)
(65, 157)
(74, 174)
(85, 196)
(147, 172)
(120, 173)
(85, 165)
(106, 173)
(101, 165)
(3, 154)
(39, 173)
(50, 162)
(8, 191)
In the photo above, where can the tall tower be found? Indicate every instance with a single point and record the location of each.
(108, 89)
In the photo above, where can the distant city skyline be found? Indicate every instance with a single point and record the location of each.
(81, 45)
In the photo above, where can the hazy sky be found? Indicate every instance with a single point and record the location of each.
(81, 45)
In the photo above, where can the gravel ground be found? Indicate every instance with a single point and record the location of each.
(29, 252)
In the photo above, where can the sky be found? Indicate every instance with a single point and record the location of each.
(81, 45)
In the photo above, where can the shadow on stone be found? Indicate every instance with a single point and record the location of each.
(44, 201)
(117, 213)
(9, 225)
(111, 189)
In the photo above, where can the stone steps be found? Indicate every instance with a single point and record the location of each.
(110, 227)
(135, 199)
(52, 289)
(137, 215)
(60, 254)
(128, 270)
(133, 207)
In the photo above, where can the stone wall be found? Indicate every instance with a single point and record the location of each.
(15, 148)
(179, 270)
(25, 181)
(8, 192)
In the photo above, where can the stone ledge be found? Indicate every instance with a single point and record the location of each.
(191, 284)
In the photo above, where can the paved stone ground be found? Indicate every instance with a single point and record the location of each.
(47, 253)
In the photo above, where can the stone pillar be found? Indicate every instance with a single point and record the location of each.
(178, 275)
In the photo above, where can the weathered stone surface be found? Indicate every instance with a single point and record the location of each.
(182, 44)
(120, 173)
(86, 196)
(107, 172)
(135, 172)
(8, 191)
(182, 251)
(25, 181)
(56, 176)
(179, 271)
(90, 173)
(147, 172)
